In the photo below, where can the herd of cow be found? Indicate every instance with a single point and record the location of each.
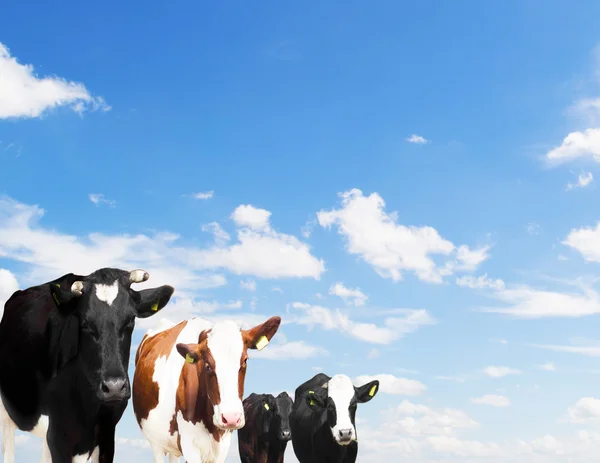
(64, 356)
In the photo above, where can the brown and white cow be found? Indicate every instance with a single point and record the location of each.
(189, 383)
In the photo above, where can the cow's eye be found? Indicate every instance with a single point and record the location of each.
(207, 367)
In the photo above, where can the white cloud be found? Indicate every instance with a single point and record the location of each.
(8, 285)
(463, 448)
(585, 410)
(260, 251)
(138, 443)
(481, 281)
(525, 302)
(221, 236)
(249, 285)
(457, 379)
(548, 366)
(393, 328)
(576, 145)
(373, 353)
(532, 228)
(98, 198)
(350, 296)
(583, 180)
(419, 420)
(417, 139)
(249, 216)
(22, 439)
(48, 253)
(389, 384)
(586, 241)
(204, 195)
(291, 350)
(499, 372)
(183, 308)
(392, 248)
(491, 399)
(589, 348)
(25, 95)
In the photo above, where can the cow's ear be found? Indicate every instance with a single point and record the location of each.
(64, 291)
(152, 300)
(189, 352)
(367, 391)
(314, 399)
(259, 336)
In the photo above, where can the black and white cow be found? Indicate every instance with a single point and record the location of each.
(322, 419)
(265, 436)
(64, 353)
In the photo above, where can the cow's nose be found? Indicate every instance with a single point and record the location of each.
(286, 435)
(345, 434)
(231, 419)
(113, 389)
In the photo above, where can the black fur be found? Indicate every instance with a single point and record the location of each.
(56, 351)
(314, 414)
(264, 437)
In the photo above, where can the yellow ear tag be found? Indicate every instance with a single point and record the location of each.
(55, 298)
(189, 358)
(372, 391)
(266, 406)
(154, 308)
(312, 402)
(262, 342)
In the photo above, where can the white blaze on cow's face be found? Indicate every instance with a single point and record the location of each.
(341, 392)
(226, 347)
(107, 293)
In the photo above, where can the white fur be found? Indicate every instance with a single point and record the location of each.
(107, 293)
(197, 444)
(7, 427)
(93, 457)
(226, 345)
(341, 391)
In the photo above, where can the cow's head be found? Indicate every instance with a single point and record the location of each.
(280, 420)
(217, 365)
(339, 398)
(100, 311)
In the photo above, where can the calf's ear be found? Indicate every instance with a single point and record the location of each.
(367, 391)
(259, 336)
(152, 300)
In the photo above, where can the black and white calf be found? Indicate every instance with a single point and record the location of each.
(323, 418)
(64, 353)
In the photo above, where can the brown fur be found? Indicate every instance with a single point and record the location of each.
(198, 389)
(150, 349)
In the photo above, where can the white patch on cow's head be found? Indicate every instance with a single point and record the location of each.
(341, 390)
(107, 293)
(226, 347)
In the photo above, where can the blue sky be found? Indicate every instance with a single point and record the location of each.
(411, 186)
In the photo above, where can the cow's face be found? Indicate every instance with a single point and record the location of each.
(281, 418)
(105, 307)
(339, 399)
(219, 362)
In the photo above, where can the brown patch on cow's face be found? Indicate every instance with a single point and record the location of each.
(145, 390)
(198, 389)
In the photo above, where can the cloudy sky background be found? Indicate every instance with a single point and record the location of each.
(411, 187)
